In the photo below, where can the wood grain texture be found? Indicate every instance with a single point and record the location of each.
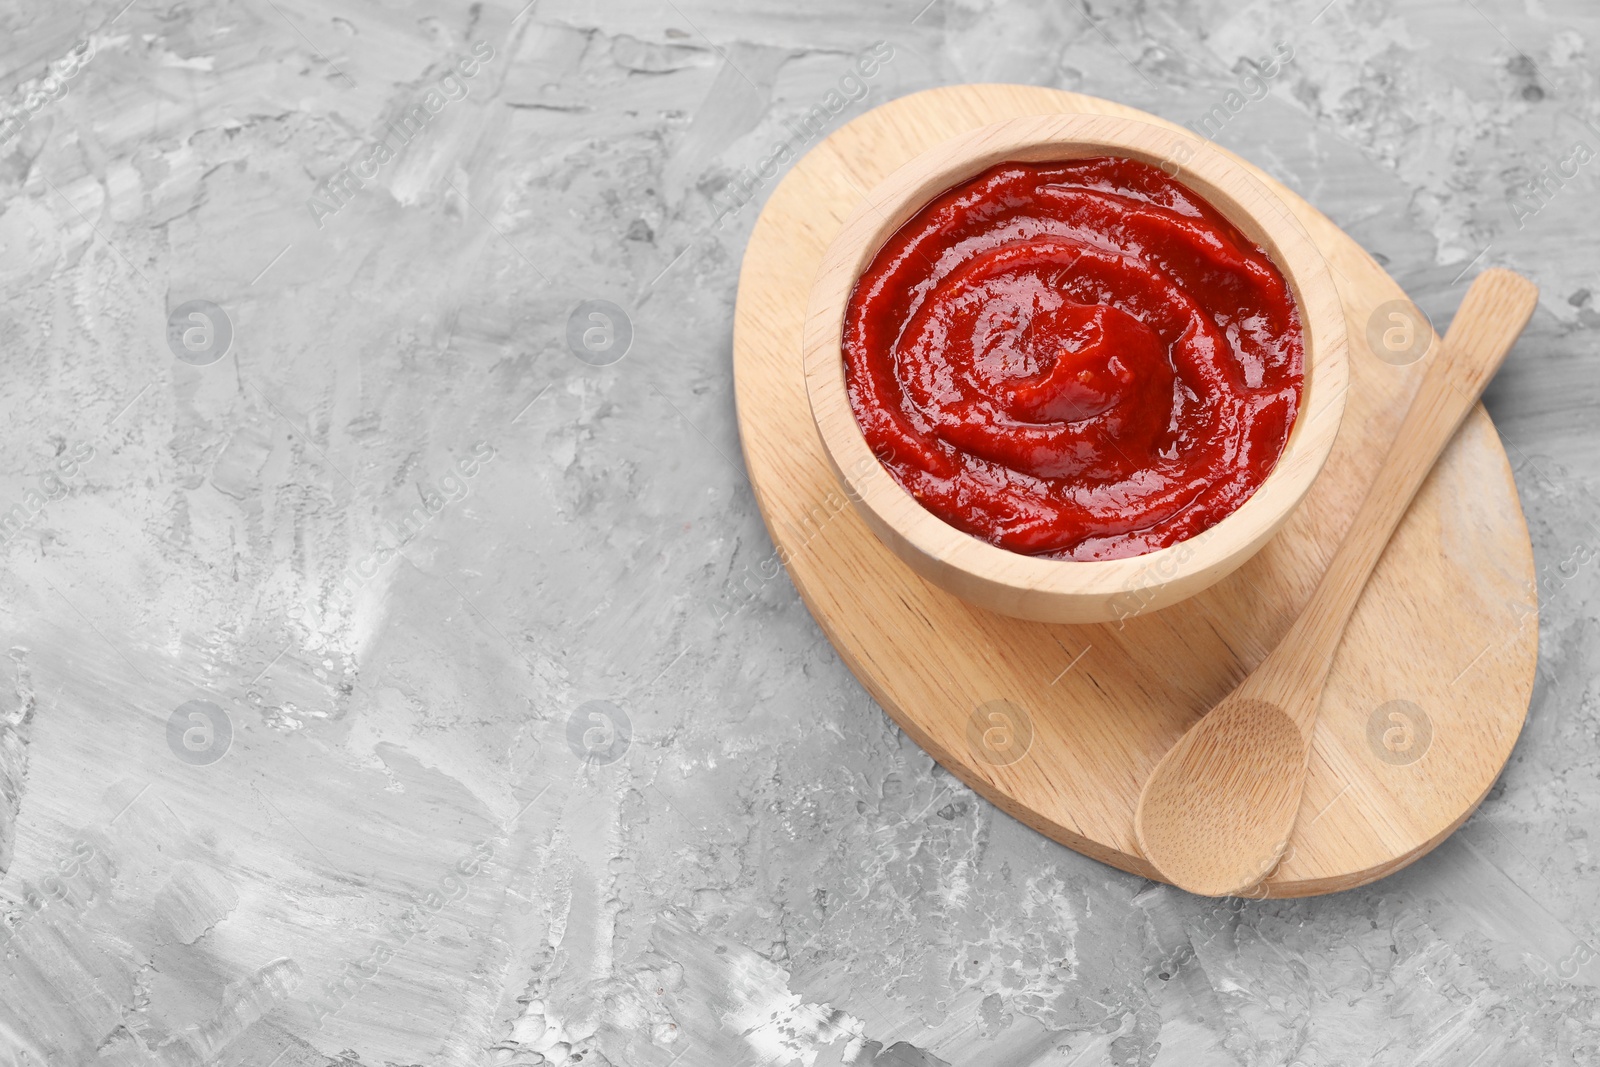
(1219, 808)
(1050, 590)
(1059, 725)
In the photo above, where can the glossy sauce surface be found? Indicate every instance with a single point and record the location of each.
(1081, 360)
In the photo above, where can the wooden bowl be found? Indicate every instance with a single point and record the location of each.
(1049, 590)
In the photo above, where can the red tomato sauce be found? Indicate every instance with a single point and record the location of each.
(1079, 360)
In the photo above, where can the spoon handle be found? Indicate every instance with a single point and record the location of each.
(1493, 313)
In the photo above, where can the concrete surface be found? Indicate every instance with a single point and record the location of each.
(372, 697)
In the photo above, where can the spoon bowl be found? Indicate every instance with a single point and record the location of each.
(1222, 818)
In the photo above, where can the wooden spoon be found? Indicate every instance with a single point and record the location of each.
(1216, 814)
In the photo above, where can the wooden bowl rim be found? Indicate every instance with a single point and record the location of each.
(1031, 584)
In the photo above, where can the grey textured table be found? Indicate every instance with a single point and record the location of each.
(390, 680)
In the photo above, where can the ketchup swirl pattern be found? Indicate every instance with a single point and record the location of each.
(1080, 360)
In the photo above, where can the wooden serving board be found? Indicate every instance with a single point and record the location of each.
(1060, 725)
